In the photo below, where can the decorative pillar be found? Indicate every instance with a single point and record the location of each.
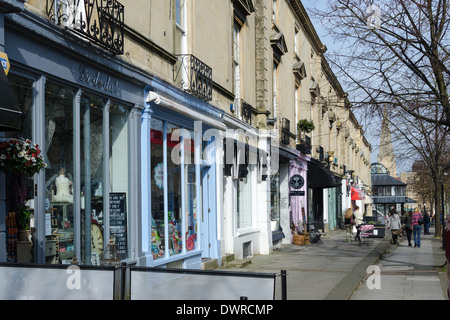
(146, 169)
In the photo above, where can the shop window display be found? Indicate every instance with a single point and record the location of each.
(157, 173)
(92, 151)
(190, 196)
(275, 201)
(175, 216)
(60, 139)
(100, 176)
(19, 188)
(173, 212)
(59, 174)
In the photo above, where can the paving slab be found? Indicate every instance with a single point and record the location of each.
(407, 273)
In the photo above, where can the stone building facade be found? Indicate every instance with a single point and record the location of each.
(173, 90)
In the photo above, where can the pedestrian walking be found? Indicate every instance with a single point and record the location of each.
(394, 225)
(417, 221)
(408, 227)
(349, 221)
(426, 223)
(358, 223)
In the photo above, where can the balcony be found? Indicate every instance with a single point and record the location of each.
(193, 76)
(100, 21)
(305, 145)
(246, 112)
(285, 133)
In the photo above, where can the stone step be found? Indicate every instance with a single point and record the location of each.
(239, 263)
(209, 264)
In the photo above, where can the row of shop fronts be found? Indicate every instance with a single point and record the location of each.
(170, 179)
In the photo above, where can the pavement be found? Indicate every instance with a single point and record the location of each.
(338, 270)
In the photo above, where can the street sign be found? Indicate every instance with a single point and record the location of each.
(5, 62)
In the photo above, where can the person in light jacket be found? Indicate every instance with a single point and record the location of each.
(359, 221)
(394, 225)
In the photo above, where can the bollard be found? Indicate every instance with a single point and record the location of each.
(283, 285)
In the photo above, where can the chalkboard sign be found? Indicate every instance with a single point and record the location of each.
(118, 221)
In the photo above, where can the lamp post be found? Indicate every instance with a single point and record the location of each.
(442, 216)
(443, 207)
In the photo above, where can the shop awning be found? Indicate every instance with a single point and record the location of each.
(10, 114)
(320, 177)
(357, 194)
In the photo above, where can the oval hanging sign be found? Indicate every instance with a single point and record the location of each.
(296, 181)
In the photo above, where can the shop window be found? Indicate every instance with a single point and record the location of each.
(175, 218)
(99, 179)
(118, 178)
(59, 174)
(92, 147)
(157, 174)
(71, 205)
(190, 199)
(244, 200)
(275, 201)
(19, 189)
(174, 212)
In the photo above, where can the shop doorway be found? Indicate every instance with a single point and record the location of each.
(208, 218)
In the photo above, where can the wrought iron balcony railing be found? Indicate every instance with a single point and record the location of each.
(193, 76)
(100, 21)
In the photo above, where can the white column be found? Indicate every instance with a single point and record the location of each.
(146, 214)
(263, 204)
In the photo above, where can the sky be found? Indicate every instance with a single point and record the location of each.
(328, 41)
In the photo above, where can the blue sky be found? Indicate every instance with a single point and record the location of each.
(329, 42)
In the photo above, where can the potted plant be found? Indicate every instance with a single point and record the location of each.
(23, 218)
(305, 125)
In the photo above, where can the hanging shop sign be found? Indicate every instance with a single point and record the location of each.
(296, 182)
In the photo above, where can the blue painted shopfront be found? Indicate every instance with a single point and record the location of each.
(179, 192)
(88, 112)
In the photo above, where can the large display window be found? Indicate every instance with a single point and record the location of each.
(244, 199)
(275, 202)
(19, 188)
(101, 141)
(85, 144)
(173, 189)
(59, 197)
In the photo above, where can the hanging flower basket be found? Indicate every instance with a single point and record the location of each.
(21, 156)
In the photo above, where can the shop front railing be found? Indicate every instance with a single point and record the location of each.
(129, 282)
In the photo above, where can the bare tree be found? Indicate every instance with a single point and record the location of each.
(392, 52)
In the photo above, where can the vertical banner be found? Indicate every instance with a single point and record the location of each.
(297, 192)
